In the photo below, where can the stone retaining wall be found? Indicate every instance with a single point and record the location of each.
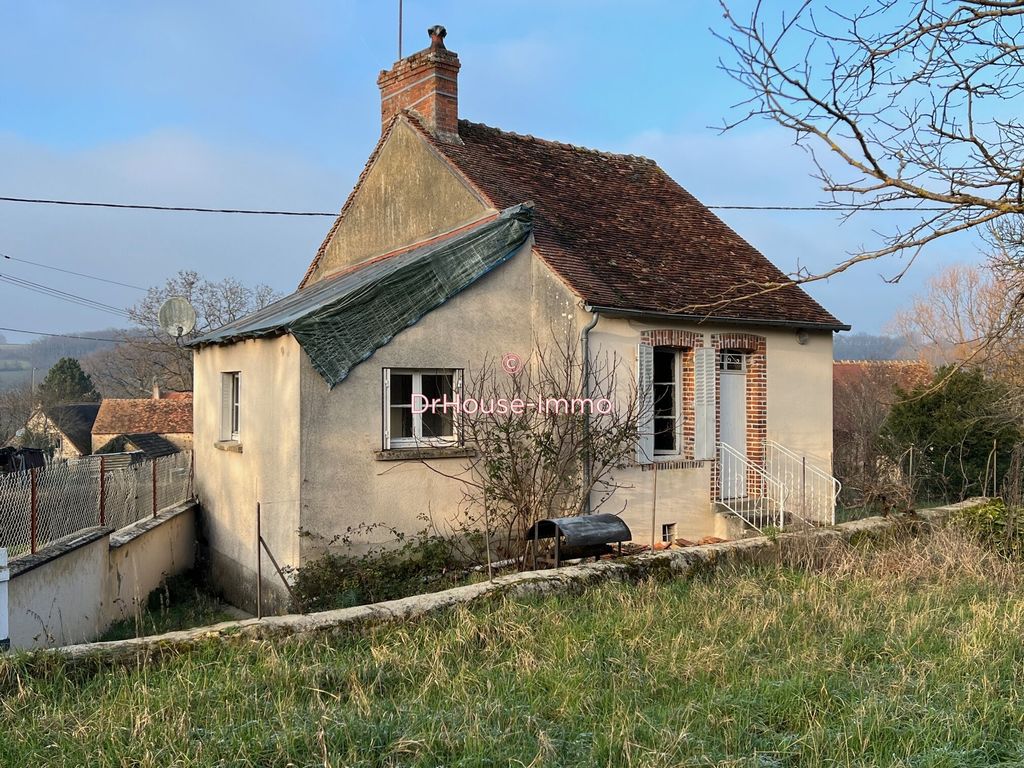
(673, 563)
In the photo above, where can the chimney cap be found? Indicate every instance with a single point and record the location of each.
(437, 34)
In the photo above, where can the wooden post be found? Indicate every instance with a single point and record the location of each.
(154, 487)
(102, 489)
(654, 508)
(259, 566)
(34, 506)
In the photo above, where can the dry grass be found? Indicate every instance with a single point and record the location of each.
(900, 653)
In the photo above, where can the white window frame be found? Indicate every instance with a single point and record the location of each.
(231, 411)
(668, 533)
(677, 405)
(418, 440)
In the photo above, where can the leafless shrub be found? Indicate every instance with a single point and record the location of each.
(541, 463)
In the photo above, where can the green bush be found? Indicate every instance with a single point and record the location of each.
(423, 563)
(952, 425)
(996, 525)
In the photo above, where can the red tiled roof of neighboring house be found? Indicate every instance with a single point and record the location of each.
(126, 417)
(620, 232)
(905, 374)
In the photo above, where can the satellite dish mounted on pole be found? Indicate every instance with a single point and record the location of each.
(177, 317)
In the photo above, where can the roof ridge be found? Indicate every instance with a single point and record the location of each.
(565, 145)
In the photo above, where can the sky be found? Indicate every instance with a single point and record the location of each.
(275, 105)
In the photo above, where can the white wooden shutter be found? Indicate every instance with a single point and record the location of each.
(457, 416)
(645, 403)
(385, 408)
(704, 361)
(226, 405)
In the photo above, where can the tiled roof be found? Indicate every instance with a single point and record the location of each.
(623, 234)
(618, 230)
(128, 417)
(152, 445)
(75, 421)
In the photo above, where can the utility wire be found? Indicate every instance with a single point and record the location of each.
(64, 296)
(180, 208)
(259, 212)
(70, 272)
(59, 335)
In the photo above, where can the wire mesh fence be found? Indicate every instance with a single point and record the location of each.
(41, 505)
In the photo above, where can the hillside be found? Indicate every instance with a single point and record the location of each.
(903, 654)
(18, 360)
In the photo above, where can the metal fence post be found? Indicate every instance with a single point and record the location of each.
(5, 627)
(154, 487)
(103, 490)
(34, 505)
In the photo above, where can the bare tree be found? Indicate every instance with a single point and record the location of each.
(148, 354)
(969, 314)
(906, 104)
(15, 409)
(551, 457)
(864, 394)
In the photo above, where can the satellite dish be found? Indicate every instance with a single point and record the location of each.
(177, 317)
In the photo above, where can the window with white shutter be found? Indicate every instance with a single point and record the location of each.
(230, 405)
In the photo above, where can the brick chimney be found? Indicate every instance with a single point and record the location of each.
(428, 84)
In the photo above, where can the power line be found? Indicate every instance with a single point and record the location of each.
(70, 272)
(262, 212)
(832, 208)
(64, 296)
(59, 335)
(179, 208)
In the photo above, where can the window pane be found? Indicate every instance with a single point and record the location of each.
(401, 421)
(664, 400)
(664, 434)
(664, 364)
(439, 424)
(437, 385)
(401, 389)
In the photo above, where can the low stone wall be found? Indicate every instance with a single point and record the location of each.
(673, 563)
(72, 590)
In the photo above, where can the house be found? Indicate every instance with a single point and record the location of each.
(65, 428)
(462, 242)
(152, 422)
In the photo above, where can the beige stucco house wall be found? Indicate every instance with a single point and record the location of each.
(264, 465)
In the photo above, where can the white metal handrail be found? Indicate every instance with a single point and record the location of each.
(811, 492)
(764, 501)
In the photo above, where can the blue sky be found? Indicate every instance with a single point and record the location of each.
(275, 105)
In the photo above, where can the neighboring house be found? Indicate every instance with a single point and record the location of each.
(148, 445)
(132, 420)
(67, 428)
(462, 242)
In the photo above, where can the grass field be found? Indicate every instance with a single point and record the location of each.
(909, 655)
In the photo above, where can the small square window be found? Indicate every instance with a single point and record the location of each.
(732, 360)
(668, 533)
(414, 409)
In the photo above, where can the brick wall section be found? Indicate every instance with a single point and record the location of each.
(685, 342)
(426, 83)
(757, 401)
